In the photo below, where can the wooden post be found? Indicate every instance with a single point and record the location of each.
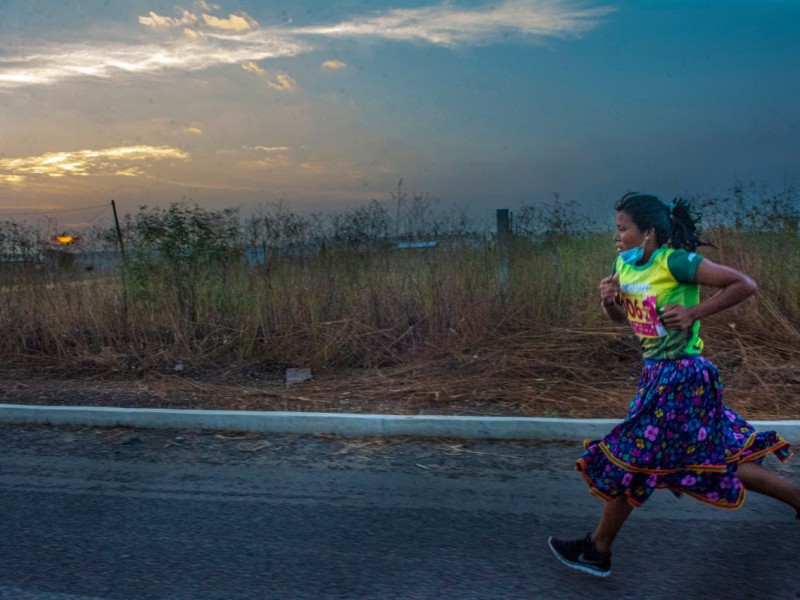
(503, 240)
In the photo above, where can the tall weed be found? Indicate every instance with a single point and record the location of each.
(336, 291)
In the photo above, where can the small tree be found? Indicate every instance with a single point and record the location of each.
(178, 246)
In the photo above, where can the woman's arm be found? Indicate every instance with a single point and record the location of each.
(734, 287)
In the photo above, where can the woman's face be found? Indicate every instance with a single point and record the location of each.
(628, 235)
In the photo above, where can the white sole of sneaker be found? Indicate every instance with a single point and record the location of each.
(577, 566)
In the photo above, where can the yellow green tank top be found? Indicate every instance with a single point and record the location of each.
(667, 278)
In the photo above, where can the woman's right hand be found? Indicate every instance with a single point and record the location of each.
(609, 290)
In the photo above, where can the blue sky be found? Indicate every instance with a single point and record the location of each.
(324, 105)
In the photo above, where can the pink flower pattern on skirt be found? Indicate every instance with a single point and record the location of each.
(678, 435)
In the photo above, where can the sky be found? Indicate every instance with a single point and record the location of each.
(323, 105)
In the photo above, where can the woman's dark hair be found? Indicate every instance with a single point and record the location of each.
(675, 223)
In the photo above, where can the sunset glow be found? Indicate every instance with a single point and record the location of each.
(328, 106)
(84, 163)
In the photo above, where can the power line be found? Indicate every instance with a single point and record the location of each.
(104, 209)
(48, 212)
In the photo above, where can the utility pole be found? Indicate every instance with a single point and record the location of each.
(119, 231)
(124, 268)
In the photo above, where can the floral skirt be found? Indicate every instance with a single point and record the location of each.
(678, 435)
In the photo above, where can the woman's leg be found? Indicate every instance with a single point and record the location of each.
(613, 518)
(756, 478)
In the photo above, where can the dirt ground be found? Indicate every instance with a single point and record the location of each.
(406, 390)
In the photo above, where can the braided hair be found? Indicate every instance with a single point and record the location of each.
(675, 224)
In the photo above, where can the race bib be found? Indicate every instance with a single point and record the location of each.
(640, 305)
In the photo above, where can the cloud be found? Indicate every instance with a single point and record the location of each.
(232, 23)
(192, 34)
(277, 162)
(187, 18)
(267, 148)
(58, 63)
(121, 161)
(252, 67)
(449, 25)
(160, 22)
(283, 83)
(333, 65)
(196, 40)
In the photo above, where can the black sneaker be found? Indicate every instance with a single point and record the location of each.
(582, 555)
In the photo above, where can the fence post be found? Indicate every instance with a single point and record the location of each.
(503, 240)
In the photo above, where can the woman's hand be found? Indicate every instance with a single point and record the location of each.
(610, 300)
(609, 290)
(675, 316)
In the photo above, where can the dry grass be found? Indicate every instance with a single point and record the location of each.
(547, 372)
(383, 330)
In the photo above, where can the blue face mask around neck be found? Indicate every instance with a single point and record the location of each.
(633, 255)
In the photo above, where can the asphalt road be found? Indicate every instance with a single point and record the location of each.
(94, 513)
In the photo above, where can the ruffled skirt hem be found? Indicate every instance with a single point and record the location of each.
(759, 446)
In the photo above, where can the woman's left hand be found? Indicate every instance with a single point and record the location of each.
(675, 316)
